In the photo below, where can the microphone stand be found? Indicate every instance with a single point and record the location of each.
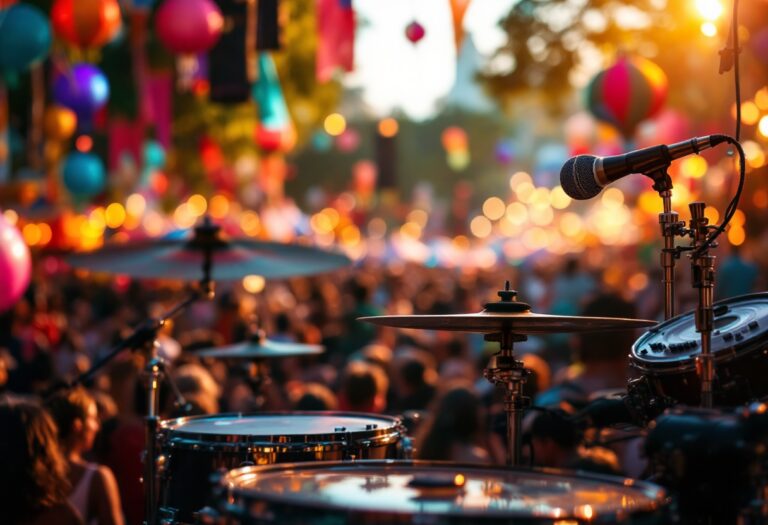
(703, 277)
(671, 227)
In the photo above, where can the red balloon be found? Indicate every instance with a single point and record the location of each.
(189, 26)
(414, 32)
(86, 23)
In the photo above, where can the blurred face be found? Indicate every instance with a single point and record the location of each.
(90, 428)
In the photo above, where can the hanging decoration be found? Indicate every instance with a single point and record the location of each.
(15, 265)
(83, 174)
(86, 23)
(458, 10)
(415, 32)
(59, 123)
(275, 130)
(630, 91)
(188, 28)
(25, 38)
(84, 90)
(335, 38)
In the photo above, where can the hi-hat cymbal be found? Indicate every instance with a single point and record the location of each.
(514, 322)
(509, 316)
(229, 259)
(260, 349)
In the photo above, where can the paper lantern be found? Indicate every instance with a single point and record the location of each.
(86, 23)
(414, 32)
(84, 90)
(25, 37)
(83, 174)
(630, 91)
(189, 26)
(15, 265)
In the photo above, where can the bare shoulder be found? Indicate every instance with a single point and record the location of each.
(105, 479)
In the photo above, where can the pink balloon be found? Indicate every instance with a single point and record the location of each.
(15, 265)
(189, 26)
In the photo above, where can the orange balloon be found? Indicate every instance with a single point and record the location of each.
(59, 122)
(86, 23)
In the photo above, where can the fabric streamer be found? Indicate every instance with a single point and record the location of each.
(335, 38)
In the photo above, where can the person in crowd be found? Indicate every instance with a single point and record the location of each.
(456, 428)
(33, 476)
(363, 388)
(94, 491)
(555, 442)
(414, 377)
(735, 275)
(314, 396)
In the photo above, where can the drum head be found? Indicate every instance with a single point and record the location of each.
(442, 489)
(280, 427)
(741, 324)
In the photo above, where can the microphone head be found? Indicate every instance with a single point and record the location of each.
(577, 177)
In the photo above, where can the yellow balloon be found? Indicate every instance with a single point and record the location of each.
(60, 122)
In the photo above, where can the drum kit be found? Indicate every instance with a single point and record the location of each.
(346, 468)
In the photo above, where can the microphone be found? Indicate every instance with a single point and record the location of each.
(582, 177)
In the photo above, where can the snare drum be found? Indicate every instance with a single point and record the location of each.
(666, 355)
(433, 493)
(195, 448)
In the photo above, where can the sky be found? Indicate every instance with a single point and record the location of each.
(394, 73)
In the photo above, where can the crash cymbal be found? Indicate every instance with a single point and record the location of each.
(228, 259)
(518, 323)
(260, 349)
(510, 316)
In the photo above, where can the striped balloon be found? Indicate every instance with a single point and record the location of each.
(628, 92)
(86, 23)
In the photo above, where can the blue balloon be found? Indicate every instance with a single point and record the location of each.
(153, 154)
(84, 90)
(84, 174)
(25, 37)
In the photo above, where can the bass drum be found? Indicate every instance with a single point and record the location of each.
(665, 356)
(195, 448)
(433, 493)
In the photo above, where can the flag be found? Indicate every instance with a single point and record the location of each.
(335, 37)
(458, 10)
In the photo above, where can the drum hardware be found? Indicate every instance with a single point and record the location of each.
(204, 446)
(433, 492)
(506, 322)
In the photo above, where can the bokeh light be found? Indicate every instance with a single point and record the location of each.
(335, 124)
(494, 208)
(254, 283)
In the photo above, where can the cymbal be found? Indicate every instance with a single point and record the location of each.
(260, 349)
(514, 322)
(229, 259)
(508, 316)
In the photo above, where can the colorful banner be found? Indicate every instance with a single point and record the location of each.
(335, 38)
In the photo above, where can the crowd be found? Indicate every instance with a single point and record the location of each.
(73, 455)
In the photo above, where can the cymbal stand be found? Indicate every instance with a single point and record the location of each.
(504, 370)
(703, 277)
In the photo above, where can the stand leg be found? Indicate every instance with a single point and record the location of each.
(514, 406)
(150, 454)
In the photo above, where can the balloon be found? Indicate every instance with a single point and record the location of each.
(86, 23)
(59, 122)
(414, 32)
(153, 154)
(631, 90)
(15, 265)
(189, 26)
(84, 90)
(25, 37)
(83, 174)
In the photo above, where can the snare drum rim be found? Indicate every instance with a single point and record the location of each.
(686, 361)
(657, 495)
(176, 437)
